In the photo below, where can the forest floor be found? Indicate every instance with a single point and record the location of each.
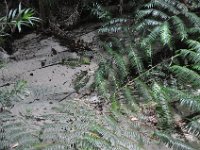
(49, 83)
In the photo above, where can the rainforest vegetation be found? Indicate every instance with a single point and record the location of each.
(99, 74)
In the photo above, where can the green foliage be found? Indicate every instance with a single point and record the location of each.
(147, 42)
(173, 143)
(193, 127)
(17, 18)
(117, 132)
(63, 129)
(17, 93)
(71, 126)
(100, 12)
(163, 15)
(145, 96)
(81, 80)
(165, 33)
(186, 75)
(162, 100)
(180, 27)
(147, 89)
(114, 25)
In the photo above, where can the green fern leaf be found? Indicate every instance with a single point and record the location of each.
(153, 12)
(194, 45)
(186, 75)
(191, 55)
(194, 128)
(166, 4)
(135, 59)
(165, 34)
(180, 27)
(172, 143)
(193, 18)
(162, 99)
(148, 41)
(148, 23)
(192, 104)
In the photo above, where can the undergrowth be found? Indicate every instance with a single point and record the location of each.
(150, 79)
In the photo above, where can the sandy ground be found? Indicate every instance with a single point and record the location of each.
(46, 86)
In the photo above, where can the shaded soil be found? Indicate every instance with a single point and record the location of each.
(46, 82)
(49, 82)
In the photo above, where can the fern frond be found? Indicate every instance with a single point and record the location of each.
(191, 103)
(194, 30)
(7, 97)
(118, 61)
(117, 135)
(153, 12)
(182, 7)
(194, 45)
(194, 128)
(166, 35)
(193, 18)
(64, 129)
(111, 29)
(186, 75)
(127, 95)
(143, 89)
(196, 67)
(180, 27)
(16, 132)
(162, 99)
(147, 23)
(148, 41)
(100, 12)
(152, 36)
(172, 143)
(81, 80)
(100, 80)
(96, 141)
(135, 59)
(113, 26)
(166, 4)
(191, 55)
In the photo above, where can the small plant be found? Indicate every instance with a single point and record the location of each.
(16, 94)
(16, 18)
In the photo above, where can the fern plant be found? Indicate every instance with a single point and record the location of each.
(111, 24)
(127, 81)
(8, 96)
(158, 17)
(142, 95)
(63, 129)
(73, 125)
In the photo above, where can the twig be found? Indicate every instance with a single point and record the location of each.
(7, 84)
(67, 96)
(45, 66)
